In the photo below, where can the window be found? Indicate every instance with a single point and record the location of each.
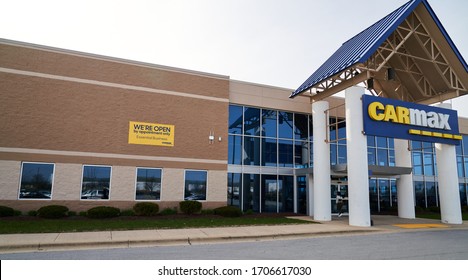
(195, 185)
(36, 180)
(235, 119)
(95, 182)
(148, 184)
(234, 189)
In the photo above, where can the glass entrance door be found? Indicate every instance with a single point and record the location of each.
(341, 188)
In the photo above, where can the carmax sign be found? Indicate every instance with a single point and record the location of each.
(405, 120)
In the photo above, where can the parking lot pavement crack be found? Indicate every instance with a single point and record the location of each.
(56, 237)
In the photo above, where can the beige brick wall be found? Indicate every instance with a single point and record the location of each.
(9, 179)
(67, 181)
(123, 183)
(172, 184)
(217, 186)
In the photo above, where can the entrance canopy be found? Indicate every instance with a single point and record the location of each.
(407, 55)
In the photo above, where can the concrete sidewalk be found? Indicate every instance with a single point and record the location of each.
(161, 237)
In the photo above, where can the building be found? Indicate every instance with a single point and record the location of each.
(86, 130)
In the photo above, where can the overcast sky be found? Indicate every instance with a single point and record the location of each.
(273, 42)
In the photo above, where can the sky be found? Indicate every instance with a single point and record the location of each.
(273, 42)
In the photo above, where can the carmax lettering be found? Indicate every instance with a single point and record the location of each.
(403, 115)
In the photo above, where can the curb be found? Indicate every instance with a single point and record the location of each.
(166, 242)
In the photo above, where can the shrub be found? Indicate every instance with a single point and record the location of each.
(32, 213)
(52, 211)
(83, 213)
(168, 211)
(419, 209)
(102, 212)
(434, 209)
(249, 212)
(190, 206)
(6, 211)
(127, 212)
(228, 211)
(71, 213)
(465, 209)
(207, 211)
(146, 209)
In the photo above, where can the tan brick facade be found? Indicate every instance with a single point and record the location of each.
(72, 109)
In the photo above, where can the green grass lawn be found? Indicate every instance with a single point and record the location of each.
(76, 224)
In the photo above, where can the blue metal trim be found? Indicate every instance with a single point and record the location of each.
(360, 47)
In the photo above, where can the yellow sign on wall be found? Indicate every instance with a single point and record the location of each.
(151, 134)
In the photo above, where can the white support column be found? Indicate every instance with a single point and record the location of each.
(322, 189)
(449, 194)
(405, 190)
(358, 171)
(310, 195)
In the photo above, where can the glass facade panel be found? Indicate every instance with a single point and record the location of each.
(251, 151)
(371, 156)
(382, 142)
(394, 193)
(148, 184)
(382, 157)
(36, 180)
(95, 182)
(301, 154)
(460, 170)
(251, 192)
(420, 194)
(342, 156)
(301, 194)
(463, 194)
(301, 126)
(235, 149)
(234, 189)
(417, 163)
(285, 155)
(269, 152)
(269, 193)
(384, 195)
(428, 164)
(373, 195)
(269, 123)
(285, 125)
(235, 119)
(286, 193)
(465, 163)
(431, 194)
(195, 184)
(333, 154)
(252, 121)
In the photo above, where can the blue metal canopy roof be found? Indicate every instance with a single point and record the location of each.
(362, 46)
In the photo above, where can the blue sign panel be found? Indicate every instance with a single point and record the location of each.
(404, 120)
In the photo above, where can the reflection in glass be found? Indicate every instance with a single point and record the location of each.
(300, 127)
(384, 195)
(285, 125)
(301, 194)
(431, 194)
(301, 154)
(420, 194)
(285, 156)
(96, 182)
(428, 164)
(36, 180)
(251, 192)
(195, 185)
(251, 153)
(342, 156)
(374, 196)
(286, 193)
(235, 149)
(148, 185)
(269, 149)
(269, 193)
(463, 194)
(252, 121)
(234, 189)
(371, 156)
(235, 119)
(269, 123)
(382, 157)
(417, 163)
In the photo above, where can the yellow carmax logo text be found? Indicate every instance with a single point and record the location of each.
(389, 113)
